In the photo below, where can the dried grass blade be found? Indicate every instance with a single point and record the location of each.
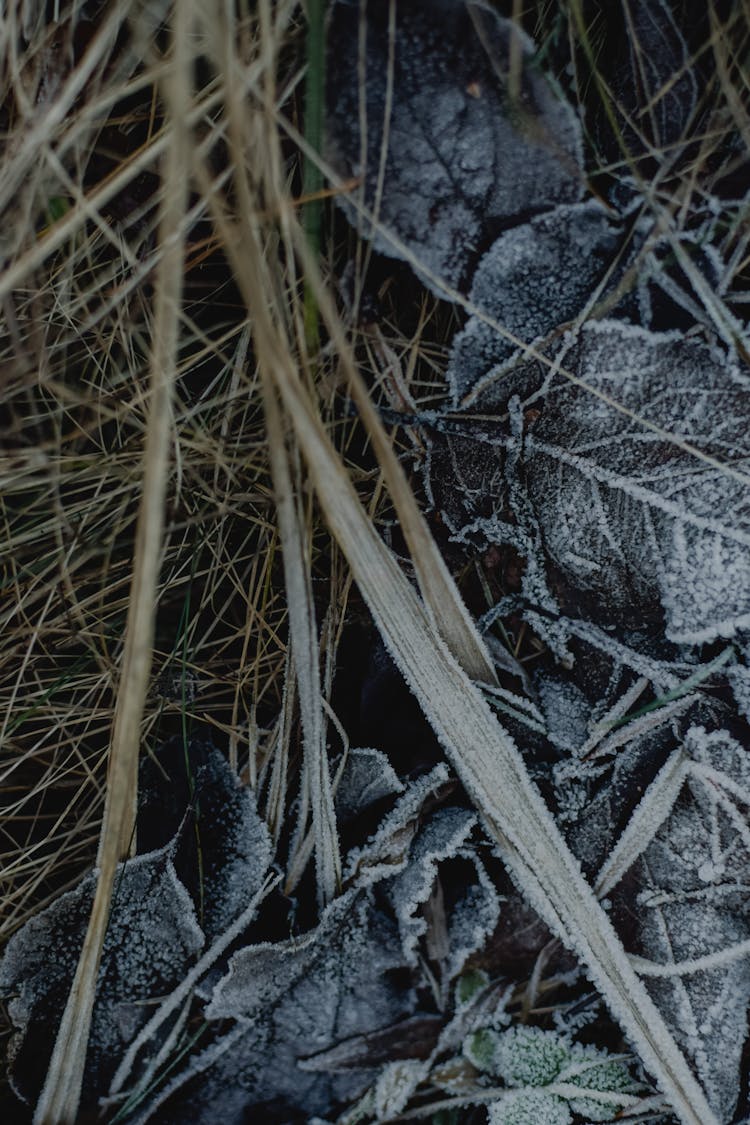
(436, 583)
(52, 115)
(484, 756)
(648, 817)
(61, 1094)
(491, 768)
(305, 647)
(316, 780)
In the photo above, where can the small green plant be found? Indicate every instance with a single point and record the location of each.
(469, 985)
(544, 1071)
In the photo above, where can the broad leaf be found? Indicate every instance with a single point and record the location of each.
(457, 143)
(453, 931)
(224, 858)
(693, 904)
(681, 896)
(535, 278)
(639, 476)
(297, 1004)
(629, 482)
(368, 777)
(167, 902)
(152, 939)
(654, 83)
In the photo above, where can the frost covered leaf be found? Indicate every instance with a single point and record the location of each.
(529, 1107)
(316, 1016)
(655, 86)
(152, 939)
(628, 515)
(465, 925)
(395, 1085)
(469, 985)
(634, 483)
(533, 279)
(368, 777)
(530, 1058)
(291, 1000)
(260, 976)
(464, 152)
(687, 893)
(203, 871)
(693, 903)
(387, 852)
(592, 1069)
(233, 841)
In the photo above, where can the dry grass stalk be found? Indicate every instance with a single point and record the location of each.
(437, 586)
(295, 540)
(305, 650)
(62, 1089)
(485, 758)
(491, 768)
(239, 575)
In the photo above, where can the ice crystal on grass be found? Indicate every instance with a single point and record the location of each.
(451, 150)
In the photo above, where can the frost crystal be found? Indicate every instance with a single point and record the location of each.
(368, 777)
(152, 939)
(529, 1107)
(629, 514)
(460, 158)
(533, 279)
(528, 1056)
